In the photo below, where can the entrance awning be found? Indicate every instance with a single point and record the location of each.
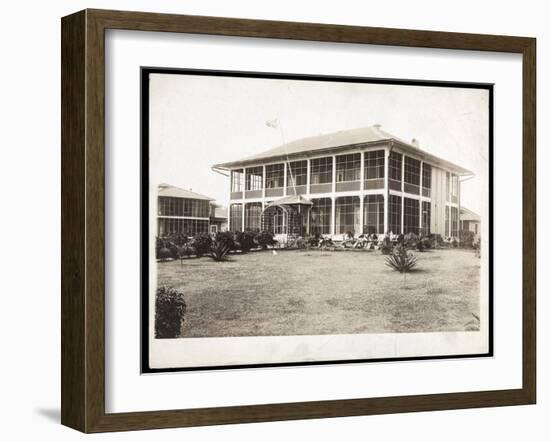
(291, 199)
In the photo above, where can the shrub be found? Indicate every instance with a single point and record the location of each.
(201, 243)
(164, 253)
(185, 251)
(401, 260)
(313, 240)
(410, 240)
(466, 238)
(385, 246)
(245, 240)
(165, 249)
(264, 239)
(226, 238)
(454, 242)
(219, 250)
(426, 242)
(170, 309)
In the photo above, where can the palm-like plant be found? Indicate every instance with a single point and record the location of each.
(219, 251)
(401, 260)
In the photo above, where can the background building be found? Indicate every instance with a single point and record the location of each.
(187, 212)
(361, 180)
(470, 221)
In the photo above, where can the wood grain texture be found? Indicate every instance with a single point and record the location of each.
(83, 220)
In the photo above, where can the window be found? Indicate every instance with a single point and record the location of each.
(347, 214)
(426, 176)
(394, 167)
(190, 227)
(348, 167)
(254, 178)
(374, 214)
(374, 165)
(321, 170)
(237, 177)
(426, 217)
(395, 214)
(454, 188)
(169, 206)
(448, 186)
(411, 218)
(412, 171)
(297, 173)
(320, 215)
(236, 217)
(252, 216)
(274, 176)
(454, 221)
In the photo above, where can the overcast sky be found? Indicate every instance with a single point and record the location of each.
(198, 121)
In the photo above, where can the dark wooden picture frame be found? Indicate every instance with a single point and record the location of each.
(83, 220)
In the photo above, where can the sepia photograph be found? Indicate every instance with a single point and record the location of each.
(301, 220)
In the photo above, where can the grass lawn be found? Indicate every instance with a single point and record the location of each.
(319, 292)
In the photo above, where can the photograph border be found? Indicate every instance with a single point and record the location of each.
(144, 209)
(83, 220)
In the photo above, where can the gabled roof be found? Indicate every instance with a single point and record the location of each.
(468, 215)
(177, 192)
(343, 139)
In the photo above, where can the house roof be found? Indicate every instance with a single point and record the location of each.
(468, 215)
(337, 141)
(177, 192)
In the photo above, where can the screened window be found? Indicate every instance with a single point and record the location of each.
(236, 217)
(454, 221)
(411, 218)
(426, 176)
(254, 178)
(348, 167)
(320, 215)
(395, 214)
(412, 171)
(426, 217)
(321, 170)
(297, 173)
(174, 226)
(394, 166)
(169, 206)
(347, 214)
(274, 176)
(374, 164)
(374, 214)
(454, 187)
(237, 180)
(252, 216)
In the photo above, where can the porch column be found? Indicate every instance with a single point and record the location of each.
(333, 217)
(420, 201)
(386, 190)
(362, 196)
(333, 173)
(285, 178)
(263, 183)
(308, 178)
(244, 197)
(402, 192)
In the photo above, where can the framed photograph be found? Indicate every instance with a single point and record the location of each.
(269, 220)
